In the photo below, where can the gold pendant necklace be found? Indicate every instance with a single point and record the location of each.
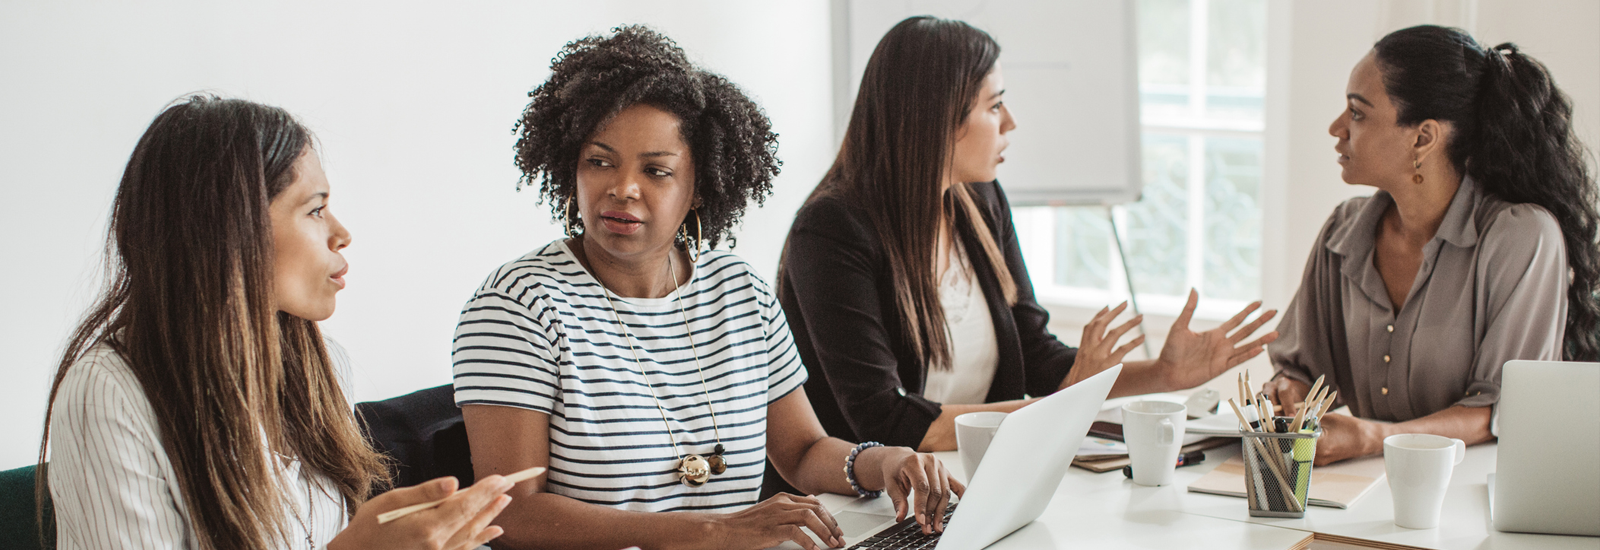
(693, 470)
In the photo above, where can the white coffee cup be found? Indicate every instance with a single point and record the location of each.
(1419, 467)
(974, 431)
(1153, 431)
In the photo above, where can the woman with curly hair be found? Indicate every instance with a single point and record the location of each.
(648, 371)
(903, 276)
(1478, 248)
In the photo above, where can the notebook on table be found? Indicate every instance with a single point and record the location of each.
(1336, 485)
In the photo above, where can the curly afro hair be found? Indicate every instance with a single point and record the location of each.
(594, 78)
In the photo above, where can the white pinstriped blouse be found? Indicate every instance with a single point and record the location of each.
(113, 485)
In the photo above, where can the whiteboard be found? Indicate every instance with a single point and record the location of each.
(1071, 79)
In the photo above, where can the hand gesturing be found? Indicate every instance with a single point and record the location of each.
(1190, 358)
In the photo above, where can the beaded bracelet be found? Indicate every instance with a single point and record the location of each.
(850, 469)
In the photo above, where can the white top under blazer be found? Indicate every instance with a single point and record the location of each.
(112, 482)
(974, 350)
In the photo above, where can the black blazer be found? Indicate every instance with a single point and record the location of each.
(866, 384)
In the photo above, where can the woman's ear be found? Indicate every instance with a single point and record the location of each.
(1430, 139)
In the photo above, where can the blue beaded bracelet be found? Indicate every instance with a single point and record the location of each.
(850, 469)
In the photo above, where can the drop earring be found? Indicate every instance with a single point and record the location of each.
(692, 246)
(1417, 177)
(573, 228)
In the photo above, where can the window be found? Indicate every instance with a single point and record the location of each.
(1202, 78)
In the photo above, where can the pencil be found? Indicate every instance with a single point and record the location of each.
(1244, 425)
(1328, 403)
(395, 514)
(1300, 415)
(1315, 386)
(1312, 404)
(1249, 395)
(1254, 494)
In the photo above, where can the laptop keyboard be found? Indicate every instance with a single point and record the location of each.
(906, 535)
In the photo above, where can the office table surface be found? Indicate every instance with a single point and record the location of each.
(1107, 510)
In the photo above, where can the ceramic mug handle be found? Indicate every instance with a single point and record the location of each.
(1461, 449)
(1167, 432)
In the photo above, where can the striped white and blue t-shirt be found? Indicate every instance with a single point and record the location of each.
(540, 335)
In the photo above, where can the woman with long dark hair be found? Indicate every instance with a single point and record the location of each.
(197, 405)
(654, 376)
(902, 276)
(1479, 247)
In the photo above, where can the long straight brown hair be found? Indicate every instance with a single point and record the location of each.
(915, 94)
(188, 306)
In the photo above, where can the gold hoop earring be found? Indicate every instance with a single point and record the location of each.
(698, 236)
(573, 229)
(691, 247)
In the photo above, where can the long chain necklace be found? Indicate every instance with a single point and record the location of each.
(693, 470)
(311, 512)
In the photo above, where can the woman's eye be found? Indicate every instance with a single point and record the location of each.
(317, 212)
(657, 172)
(599, 163)
(1355, 115)
(996, 106)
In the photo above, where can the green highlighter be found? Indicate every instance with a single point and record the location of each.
(1304, 451)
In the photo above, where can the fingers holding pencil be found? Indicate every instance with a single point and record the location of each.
(511, 480)
(424, 515)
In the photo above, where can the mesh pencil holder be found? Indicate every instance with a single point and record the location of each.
(1277, 473)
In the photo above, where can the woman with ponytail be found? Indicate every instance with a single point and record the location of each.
(1479, 247)
(197, 405)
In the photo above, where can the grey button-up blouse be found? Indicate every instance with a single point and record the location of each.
(1491, 288)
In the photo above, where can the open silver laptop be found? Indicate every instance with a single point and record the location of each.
(1019, 473)
(1548, 459)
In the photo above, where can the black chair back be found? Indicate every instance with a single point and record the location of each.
(422, 432)
(19, 518)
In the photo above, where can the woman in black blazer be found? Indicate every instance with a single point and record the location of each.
(860, 281)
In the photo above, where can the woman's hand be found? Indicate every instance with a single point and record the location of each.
(1190, 358)
(1287, 393)
(784, 517)
(1098, 350)
(918, 484)
(1346, 437)
(459, 523)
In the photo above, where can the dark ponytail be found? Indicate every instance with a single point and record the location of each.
(1513, 135)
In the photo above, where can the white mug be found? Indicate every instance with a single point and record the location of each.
(1419, 467)
(974, 431)
(1153, 431)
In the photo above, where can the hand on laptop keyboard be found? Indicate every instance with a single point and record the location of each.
(905, 535)
(919, 485)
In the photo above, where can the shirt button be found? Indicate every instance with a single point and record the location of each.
(1391, 328)
(902, 391)
(1386, 359)
(1386, 391)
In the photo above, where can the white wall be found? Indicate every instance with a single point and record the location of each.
(413, 105)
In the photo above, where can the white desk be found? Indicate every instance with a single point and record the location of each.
(1108, 511)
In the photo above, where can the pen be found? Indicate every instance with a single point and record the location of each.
(392, 515)
(1186, 459)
